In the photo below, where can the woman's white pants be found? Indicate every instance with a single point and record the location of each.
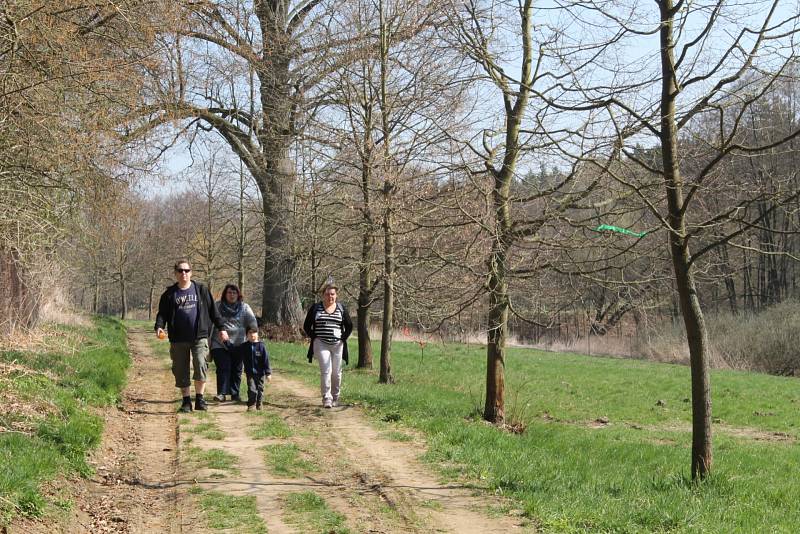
(329, 357)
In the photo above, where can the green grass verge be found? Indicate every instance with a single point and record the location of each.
(571, 475)
(84, 368)
(231, 513)
(309, 512)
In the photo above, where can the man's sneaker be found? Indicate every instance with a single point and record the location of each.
(186, 407)
(327, 404)
(335, 403)
(219, 398)
(201, 405)
(250, 408)
(258, 406)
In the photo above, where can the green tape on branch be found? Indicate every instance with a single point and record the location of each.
(617, 229)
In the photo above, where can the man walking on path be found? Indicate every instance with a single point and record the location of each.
(186, 309)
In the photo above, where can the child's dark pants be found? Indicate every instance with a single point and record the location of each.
(255, 389)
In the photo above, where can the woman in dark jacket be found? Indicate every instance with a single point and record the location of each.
(328, 325)
(237, 317)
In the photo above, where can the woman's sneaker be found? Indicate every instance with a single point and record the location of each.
(201, 405)
(186, 407)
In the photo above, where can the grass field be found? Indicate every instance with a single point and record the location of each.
(606, 445)
(47, 401)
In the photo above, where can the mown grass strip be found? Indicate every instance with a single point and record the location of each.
(286, 460)
(213, 459)
(52, 428)
(231, 513)
(269, 425)
(310, 513)
(599, 452)
(204, 425)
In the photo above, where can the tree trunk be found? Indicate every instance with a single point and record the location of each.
(365, 288)
(388, 192)
(150, 299)
(242, 233)
(96, 298)
(697, 337)
(280, 302)
(275, 175)
(494, 409)
(730, 283)
(123, 297)
(388, 298)
(696, 334)
(364, 298)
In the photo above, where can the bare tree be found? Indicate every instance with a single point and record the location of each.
(696, 80)
(281, 44)
(520, 221)
(64, 70)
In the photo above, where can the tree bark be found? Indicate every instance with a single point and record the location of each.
(494, 409)
(364, 299)
(280, 298)
(388, 295)
(123, 291)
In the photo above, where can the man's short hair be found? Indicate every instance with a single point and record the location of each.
(251, 329)
(178, 264)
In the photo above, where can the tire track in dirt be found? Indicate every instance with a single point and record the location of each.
(137, 461)
(391, 472)
(378, 485)
(253, 478)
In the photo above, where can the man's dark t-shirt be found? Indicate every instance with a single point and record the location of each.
(185, 323)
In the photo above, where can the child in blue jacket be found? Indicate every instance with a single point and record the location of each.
(256, 366)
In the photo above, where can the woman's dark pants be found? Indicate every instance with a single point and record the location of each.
(229, 371)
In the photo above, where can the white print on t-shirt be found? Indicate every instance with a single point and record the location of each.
(186, 302)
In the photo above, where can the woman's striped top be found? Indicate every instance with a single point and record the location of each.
(328, 326)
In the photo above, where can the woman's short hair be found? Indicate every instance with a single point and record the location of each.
(235, 288)
(328, 286)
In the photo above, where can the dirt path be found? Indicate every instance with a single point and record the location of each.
(154, 473)
(135, 490)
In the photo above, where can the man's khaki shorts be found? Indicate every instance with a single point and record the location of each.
(181, 354)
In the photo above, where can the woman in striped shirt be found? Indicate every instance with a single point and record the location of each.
(328, 325)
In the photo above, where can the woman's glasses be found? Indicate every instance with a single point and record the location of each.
(183, 270)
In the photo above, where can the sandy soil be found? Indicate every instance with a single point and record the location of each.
(146, 481)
